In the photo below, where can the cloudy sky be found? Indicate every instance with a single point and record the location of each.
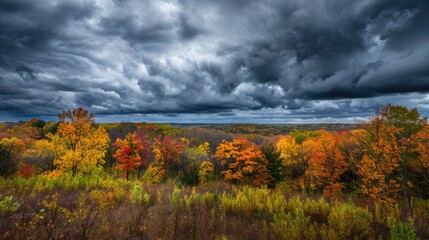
(213, 61)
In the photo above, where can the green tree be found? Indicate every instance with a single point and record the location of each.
(274, 166)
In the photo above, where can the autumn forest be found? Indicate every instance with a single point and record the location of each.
(76, 179)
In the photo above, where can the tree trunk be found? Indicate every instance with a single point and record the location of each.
(405, 192)
(74, 170)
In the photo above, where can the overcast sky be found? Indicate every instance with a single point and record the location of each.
(213, 61)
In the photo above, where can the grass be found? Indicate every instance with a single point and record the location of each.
(103, 207)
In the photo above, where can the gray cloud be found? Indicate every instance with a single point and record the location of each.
(226, 59)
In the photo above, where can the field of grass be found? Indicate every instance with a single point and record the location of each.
(103, 207)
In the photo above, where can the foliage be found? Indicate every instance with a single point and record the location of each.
(382, 168)
(11, 154)
(248, 200)
(154, 174)
(402, 230)
(346, 221)
(289, 149)
(26, 171)
(318, 209)
(167, 154)
(206, 168)
(192, 160)
(99, 203)
(274, 164)
(241, 158)
(78, 146)
(40, 155)
(421, 215)
(327, 163)
(128, 153)
(380, 161)
(7, 206)
(293, 226)
(139, 196)
(422, 146)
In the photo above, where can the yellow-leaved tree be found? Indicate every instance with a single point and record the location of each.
(206, 168)
(289, 149)
(78, 146)
(192, 159)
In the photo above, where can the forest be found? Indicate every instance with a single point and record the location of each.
(78, 179)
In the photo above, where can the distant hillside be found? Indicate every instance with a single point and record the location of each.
(277, 129)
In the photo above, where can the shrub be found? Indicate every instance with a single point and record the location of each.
(250, 200)
(317, 209)
(421, 216)
(383, 212)
(175, 197)
(7, 205)
(104, 199)
(296, 226)
(346, 221)
(139, 196)
(401, 230)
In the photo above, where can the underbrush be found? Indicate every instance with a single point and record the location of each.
(103, 207)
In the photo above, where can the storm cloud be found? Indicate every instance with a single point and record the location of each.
(208, 61)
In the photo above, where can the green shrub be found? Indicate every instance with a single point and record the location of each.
(346, 221)
(401, 230)
(384, 212)
(318, 209)
(175, 197)
(7, 205)
(250, 200)
(296, 226)
(421, 215)
(139, 196)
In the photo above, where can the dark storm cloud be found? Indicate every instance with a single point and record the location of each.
(229, 59)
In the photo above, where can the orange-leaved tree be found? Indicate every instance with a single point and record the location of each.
(243, 161)
(422, 140)
(379, 163)
(305, 153)
(422, 164)
(353, 154)
(127, 153)
(327, 163)
(167, 155)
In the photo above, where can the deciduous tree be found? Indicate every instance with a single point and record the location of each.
(327, 163)
(167, 154)
(241, 159)
(11, 153)
(379, 165)
(40, 155)
(288, 149)
(78, 145)
(391, 147)
(128, 153)
(206, 168)
(192, 160)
